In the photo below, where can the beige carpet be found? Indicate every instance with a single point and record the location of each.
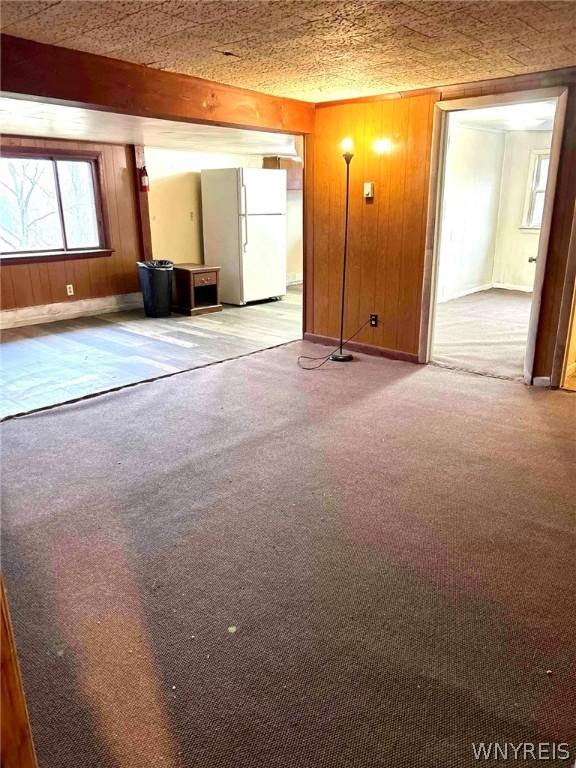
(255, 566)
(484, 332)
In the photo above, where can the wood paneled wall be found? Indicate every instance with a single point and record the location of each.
(24, 285)
(386, 234)
(387, 237)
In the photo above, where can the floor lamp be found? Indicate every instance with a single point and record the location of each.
(380, 146)
(340, 356)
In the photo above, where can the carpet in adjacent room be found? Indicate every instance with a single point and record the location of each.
(484, 332)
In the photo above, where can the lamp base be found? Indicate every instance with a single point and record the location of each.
(341, 357)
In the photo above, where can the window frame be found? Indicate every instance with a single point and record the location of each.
(65, 253)
(536, 156)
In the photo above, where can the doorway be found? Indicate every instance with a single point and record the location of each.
(495, 175)
(496, 165)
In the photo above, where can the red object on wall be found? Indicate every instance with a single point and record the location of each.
(144, 180)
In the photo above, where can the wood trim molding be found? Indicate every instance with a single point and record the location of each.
(67, 310)
(502, 98)
(560, 367)
(358, 346)
(379, 97)
(142, 204)
(529, 81)
(17, 746)
(9, 150)
(43, 72)
(534, 324)
(551, 77)
(307, 236)
(439, 134)
(39, 258)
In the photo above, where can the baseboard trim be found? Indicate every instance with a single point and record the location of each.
(487, 287)
(467, 292)
(68, 310)
(367, 349)
(541, 381)
(294, 277)
(510, 287)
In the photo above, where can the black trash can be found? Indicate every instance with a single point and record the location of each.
(156, 284)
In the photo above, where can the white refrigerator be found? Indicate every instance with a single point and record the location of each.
(244, 230)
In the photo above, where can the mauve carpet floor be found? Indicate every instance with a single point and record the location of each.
(394, 544)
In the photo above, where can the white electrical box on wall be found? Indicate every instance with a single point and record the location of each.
(368, 190)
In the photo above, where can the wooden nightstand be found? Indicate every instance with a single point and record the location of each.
(195, 289)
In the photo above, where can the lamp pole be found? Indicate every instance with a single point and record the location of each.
(341, 356)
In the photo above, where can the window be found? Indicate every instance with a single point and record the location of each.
(50, 205)
(536, 191)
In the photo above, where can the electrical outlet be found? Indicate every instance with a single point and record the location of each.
(373, 320)
(70, 289)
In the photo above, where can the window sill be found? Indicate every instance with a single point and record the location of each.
(529, 230)
(35, 258)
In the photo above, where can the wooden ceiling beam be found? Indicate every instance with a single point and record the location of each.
(60, 75)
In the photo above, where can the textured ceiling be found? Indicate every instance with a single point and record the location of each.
(317, 51)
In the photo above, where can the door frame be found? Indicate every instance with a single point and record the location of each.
(435, 204)
(567, 318)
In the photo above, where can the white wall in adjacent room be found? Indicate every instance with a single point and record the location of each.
(175, 201)
(514, 245)
(471, 200)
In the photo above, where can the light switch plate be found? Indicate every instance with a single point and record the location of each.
(368, 189)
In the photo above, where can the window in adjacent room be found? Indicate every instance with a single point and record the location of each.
(49, 205)
(536, 190)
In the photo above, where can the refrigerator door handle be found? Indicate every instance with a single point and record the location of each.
(245, 199)
(244, 233)
(245, 217)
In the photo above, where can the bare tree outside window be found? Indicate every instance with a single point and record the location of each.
(29, 219)
(78, 204)
(47, 205)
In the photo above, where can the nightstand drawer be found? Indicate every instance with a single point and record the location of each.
(205, 278)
